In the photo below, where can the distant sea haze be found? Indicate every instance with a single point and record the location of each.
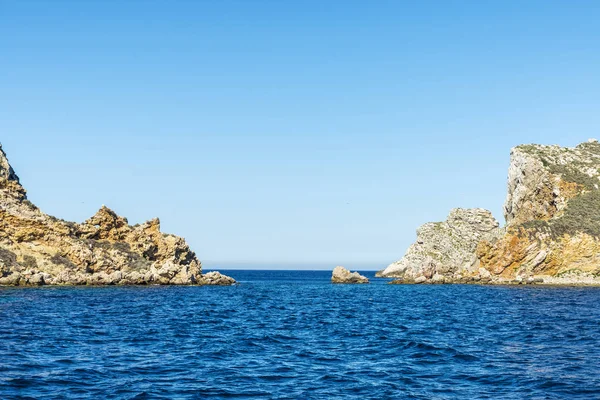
(293, 266)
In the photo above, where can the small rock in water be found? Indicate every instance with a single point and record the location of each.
(217, 279)
(342, 275)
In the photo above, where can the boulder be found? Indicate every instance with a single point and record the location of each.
(342, 275)
(36, 279)
(216, 279)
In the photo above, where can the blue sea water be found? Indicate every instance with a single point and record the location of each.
(293, 335)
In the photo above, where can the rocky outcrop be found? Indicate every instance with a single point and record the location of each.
(553, 217)
(445, 250)
(552, 232)
(342, 275)
(38, 249)
(542, 179)
(217, 279)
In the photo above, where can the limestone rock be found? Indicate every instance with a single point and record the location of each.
(552, 232)
(553, 217)
(542, 179)
(6, 171)
(38, 249)
(445, 248)
(342, 275)
(36, 279)
(217, 279)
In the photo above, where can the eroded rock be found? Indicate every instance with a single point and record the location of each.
(38, 249)
(446, 248)
(553, 217)
(342, 275)
(217, 279)
(552, 234)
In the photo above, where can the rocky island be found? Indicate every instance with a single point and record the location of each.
(551, 235)
(342, 275)
(38, 249)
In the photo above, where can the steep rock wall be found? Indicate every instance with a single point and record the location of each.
(552, 232)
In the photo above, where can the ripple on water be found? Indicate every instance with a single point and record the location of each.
(294, 335)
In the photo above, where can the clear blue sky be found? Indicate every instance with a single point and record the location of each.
(289, 133)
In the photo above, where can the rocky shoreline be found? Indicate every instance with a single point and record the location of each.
(549, 281)
(551, 236)
(38, 249)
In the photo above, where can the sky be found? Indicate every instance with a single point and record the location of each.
(289, 134)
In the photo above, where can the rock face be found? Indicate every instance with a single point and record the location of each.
(38, 249)
(342, 275)
(552, 232)
(553, 217)
(445, 249)
(542, 179)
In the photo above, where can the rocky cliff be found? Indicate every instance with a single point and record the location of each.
(552, 231)
(446, 250)
(38, 249)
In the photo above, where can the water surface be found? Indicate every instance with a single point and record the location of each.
(291, 334)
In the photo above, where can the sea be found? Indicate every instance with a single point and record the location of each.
(294, 335)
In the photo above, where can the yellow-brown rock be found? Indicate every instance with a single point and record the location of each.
(552, 232)
(553, 217)
(37, 249)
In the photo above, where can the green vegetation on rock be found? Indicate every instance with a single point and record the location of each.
(580, 165)
(581, 215)
(570, 164)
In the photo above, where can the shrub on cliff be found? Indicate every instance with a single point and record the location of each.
(582, 214)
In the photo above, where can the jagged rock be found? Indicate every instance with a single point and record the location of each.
(6, 171)
(552, 232)
(342, 275)
(553, 217)
(37, 249)
(445, 248)
(537, 188)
